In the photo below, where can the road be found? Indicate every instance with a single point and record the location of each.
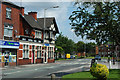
(59, 68)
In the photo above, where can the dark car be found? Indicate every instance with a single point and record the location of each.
(97, 57)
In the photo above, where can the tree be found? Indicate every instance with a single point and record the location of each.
(59, 51)
(101, 24)
(90, 47)
(80, 47)
(65, 43)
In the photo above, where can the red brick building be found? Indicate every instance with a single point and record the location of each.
(22, 36)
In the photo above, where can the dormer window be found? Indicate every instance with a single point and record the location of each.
(38, 34)
(8, 13)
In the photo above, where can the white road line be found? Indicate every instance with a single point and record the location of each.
(13, 72)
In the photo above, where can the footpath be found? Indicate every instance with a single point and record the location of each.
(111, 65)
(23, 66)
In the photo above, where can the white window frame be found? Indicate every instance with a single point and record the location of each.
(39, 52)
(8, 27)
(8, 13)
(38, 34)
(25, 49)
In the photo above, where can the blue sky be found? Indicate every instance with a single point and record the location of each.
(61, 14)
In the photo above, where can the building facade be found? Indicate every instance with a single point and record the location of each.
(21, 38)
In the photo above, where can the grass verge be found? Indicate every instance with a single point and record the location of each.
(114, 74)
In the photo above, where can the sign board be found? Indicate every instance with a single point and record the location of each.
(46, 44)
(8, 43)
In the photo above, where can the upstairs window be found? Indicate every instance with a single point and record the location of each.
(8, 30)
(52, 36)
(8, 13)
(38, 34)
(46, 35)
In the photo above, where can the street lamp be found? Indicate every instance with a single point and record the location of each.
(45, 25)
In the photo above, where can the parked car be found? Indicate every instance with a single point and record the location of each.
(97, 57)
(72, 57)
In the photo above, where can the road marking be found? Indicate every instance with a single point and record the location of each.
(13, 72)
(36, 69)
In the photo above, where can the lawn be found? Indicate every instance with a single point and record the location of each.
(113, 75)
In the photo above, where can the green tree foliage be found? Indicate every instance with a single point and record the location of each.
(59, 49)
(90, 47)
(65, 43)
(80, 46)
(85, 47)
(99, 21)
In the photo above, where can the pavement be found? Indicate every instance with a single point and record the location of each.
(110, 65)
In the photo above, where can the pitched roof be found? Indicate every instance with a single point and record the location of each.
(49, 21)
(39, 24)
(31, 21)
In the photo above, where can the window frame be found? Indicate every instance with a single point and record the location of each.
(8, 13)
(39, 52)
(38, 34)
(25, 51)
(8, 27)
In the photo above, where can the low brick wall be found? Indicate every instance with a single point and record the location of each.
(51, 60)
(12, 63)
(38, 60)
(24, 61)
(2, 64)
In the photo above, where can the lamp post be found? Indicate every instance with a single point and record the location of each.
(44, 30)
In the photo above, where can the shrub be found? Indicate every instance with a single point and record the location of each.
(99, 71)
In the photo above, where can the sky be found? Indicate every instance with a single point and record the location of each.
(61, 14)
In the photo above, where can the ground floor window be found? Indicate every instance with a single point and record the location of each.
(39, 51)
(50, 52)
(25, 51)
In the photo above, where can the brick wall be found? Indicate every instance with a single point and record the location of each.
(2, 64)
(12, 63)
(38, 60)
(15, 19)
(51, 60)
(24, 61)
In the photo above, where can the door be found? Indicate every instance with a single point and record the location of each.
(33, 54)
(45, 57)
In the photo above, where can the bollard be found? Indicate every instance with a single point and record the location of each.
(53, 76)
(110, 64)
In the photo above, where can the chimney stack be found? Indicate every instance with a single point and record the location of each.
(22, 11)
(33, 14)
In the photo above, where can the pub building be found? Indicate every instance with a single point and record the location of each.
(21, 38)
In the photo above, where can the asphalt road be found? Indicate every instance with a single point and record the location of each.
(59, 68)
